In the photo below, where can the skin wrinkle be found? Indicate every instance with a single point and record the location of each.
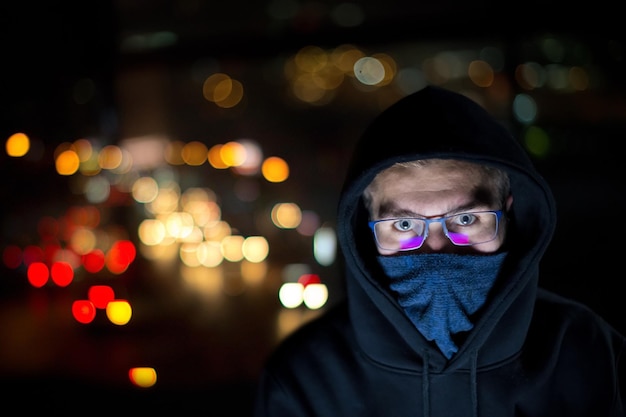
(390, 210)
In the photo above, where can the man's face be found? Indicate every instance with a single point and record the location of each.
(438, 189)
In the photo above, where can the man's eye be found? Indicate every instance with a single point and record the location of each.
(403, 225)
(465, 219)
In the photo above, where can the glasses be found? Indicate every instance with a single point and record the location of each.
(463, 229)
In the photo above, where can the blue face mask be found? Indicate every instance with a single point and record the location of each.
(440, 291)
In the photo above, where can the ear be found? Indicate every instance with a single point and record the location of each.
(508, 203)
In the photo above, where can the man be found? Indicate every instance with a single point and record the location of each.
(442, 222)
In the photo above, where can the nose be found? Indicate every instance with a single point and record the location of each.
(436, 241)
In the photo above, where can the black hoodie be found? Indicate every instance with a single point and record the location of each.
(530, 353)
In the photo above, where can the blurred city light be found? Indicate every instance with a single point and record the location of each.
(101, 295)
(119, 312)
(143, 376)
(18, 144)
(275, 169)
(83, 311)
(325, 245)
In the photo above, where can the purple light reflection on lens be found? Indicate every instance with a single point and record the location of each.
(458, 238)
(412, 243)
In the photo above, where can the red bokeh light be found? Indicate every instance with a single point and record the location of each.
(62, 273)
(100, 295)
(120, 256)
(307, 279)
(93, 261)
(37, 274)
(83, 311)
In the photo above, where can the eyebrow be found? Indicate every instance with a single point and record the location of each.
(390, 210)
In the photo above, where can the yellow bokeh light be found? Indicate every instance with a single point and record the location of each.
(110, 157)
(215, 157)
(143, 377)
(233, 154)
(151, 232)
(212, 83)
(145, 189)
(179, 224)
(203, 212)
(173, 153)
(222, 90)
(89, 167)
(84, 149)
(255, 249)
(286, 215)
(209, 254)
(235, 96)
(17, 145)
(67, 162)
(82, 240)
(119, 312)
(195, 153)
(231, 248)
(275, 169)
(166, 201)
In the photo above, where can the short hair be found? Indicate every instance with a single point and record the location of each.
(496, 179)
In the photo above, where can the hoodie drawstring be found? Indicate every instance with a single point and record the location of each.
(426, 386)
(474, 384)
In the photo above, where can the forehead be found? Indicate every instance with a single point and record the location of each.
(434, 175)
(434, 187)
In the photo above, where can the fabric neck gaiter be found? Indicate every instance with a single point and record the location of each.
(440, 291)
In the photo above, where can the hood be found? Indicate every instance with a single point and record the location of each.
(437, 123)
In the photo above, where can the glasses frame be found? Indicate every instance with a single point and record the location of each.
(440, 220)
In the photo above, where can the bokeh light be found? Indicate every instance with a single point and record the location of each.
(255, 248)
(67, 163)
(17, 145)
(119, 311)
(286, 215)
(325, 245)
(143, 376)
(291, 294)
(275, 169)
(38, 274)
(315, 295)
(62, 273)
(101, 295)
(83, 311)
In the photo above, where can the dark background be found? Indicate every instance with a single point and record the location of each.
(208, 355)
